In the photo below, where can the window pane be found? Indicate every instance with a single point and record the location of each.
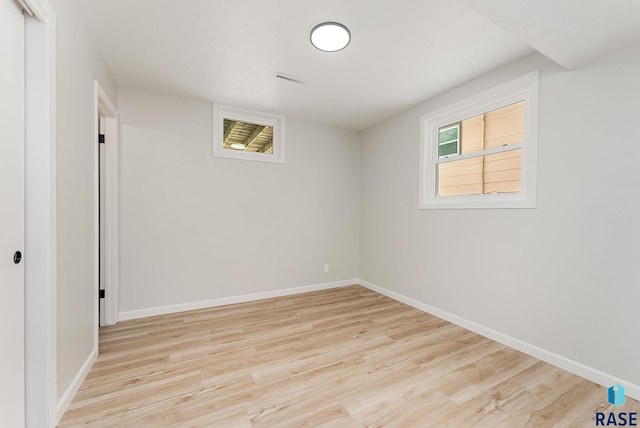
(489, 174)
(502, 172)
(248, 137)
(462, 177)
(472, 135)
(504, 126)
(448, 149)
(497, 128)
(448, 133)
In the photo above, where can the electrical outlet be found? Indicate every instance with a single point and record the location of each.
(326, 267)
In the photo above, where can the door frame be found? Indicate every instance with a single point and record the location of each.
(105, 108)
(41, 396)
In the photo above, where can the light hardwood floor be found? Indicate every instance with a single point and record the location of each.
(345, 357)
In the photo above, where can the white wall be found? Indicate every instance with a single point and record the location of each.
(40, 224)
(78, 65)
(196, 228)
(562, 277)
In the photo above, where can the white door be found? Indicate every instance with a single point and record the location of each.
(11, 214)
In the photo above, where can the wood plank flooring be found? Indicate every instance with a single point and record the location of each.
(345, 357)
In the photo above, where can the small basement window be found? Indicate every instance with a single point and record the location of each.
(481, 152)
(248, 135)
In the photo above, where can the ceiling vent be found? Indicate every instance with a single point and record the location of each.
(289, 78)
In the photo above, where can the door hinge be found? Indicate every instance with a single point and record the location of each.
(101, 294)
(101, 138)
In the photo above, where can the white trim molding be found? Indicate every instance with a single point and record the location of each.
(40, 9)
(574, 367)
(41, 398)
(74, 386)
(106, 110)
(204, 304)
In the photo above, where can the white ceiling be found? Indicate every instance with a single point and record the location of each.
(573, 33)
(401, 52)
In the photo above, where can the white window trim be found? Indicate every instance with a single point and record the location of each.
(524, 88)
(222, 112)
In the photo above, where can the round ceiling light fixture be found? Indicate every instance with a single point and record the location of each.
(238, 146)
(330, 36)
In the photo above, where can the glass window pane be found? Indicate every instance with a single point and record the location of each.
(247, 137)
(496, 128)
(489, 174)
(504, 126)
(448, 133)
(472, 135)
(462, 177)
(502, 172)
(448, 149)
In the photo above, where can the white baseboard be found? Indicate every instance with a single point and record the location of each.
(203, 304)
(574, 367)
(67, 397)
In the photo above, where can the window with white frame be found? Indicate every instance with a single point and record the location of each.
(482, 152)
(449, 140)
(248, 135)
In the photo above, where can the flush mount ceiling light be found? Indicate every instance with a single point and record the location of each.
(237, 146)
(330, 36)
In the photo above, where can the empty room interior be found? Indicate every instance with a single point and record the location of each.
(428, 218)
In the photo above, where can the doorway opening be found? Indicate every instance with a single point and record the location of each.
(101, 208)
(106, 210)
